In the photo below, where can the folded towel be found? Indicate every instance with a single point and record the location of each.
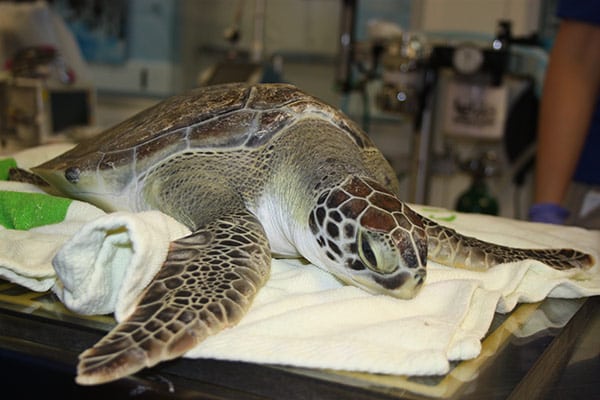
(104, 267)
(303, 316)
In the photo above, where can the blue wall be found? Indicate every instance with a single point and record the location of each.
(153, 30)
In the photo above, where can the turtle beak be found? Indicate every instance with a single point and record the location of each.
(403, 284)
(54, 177)
(408, 278)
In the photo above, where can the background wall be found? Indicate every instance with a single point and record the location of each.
(171, 42)
(478, 16)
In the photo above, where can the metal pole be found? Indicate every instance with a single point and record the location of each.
(419, 192)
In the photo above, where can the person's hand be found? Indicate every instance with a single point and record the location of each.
(548, 213)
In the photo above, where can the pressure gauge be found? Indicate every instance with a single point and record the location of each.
(467, 59)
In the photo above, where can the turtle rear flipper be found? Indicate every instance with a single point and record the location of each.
(205, 285)
(448, 247)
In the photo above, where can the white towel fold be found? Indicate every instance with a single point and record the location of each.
(303, 316)
(103, 268)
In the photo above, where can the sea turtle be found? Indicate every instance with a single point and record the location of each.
(254, 171)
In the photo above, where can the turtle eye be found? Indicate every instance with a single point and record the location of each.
(72, 174)
(366, 252)
(376, 252)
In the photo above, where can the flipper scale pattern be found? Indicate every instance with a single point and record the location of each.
(447, 246)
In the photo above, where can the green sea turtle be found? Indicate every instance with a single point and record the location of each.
(254, 171)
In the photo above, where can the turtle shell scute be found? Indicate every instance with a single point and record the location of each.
(171, 115)
(266, 97)
(230, 130)
(212, 118)
(270, 122)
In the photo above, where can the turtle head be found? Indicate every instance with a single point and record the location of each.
(87, 175)
(370, 239)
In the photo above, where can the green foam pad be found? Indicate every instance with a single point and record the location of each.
(23, 211)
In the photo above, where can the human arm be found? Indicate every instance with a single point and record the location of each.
(570, 94)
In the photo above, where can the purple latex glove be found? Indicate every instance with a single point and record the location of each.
(548, 213)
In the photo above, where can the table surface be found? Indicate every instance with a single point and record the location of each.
(526, 354)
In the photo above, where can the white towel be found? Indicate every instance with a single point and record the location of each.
(103, 268)
(303, 316)
(26, 255)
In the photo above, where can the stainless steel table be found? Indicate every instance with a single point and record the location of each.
(525, 355)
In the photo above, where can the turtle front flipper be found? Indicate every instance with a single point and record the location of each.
(448, 247)
(205, 285)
